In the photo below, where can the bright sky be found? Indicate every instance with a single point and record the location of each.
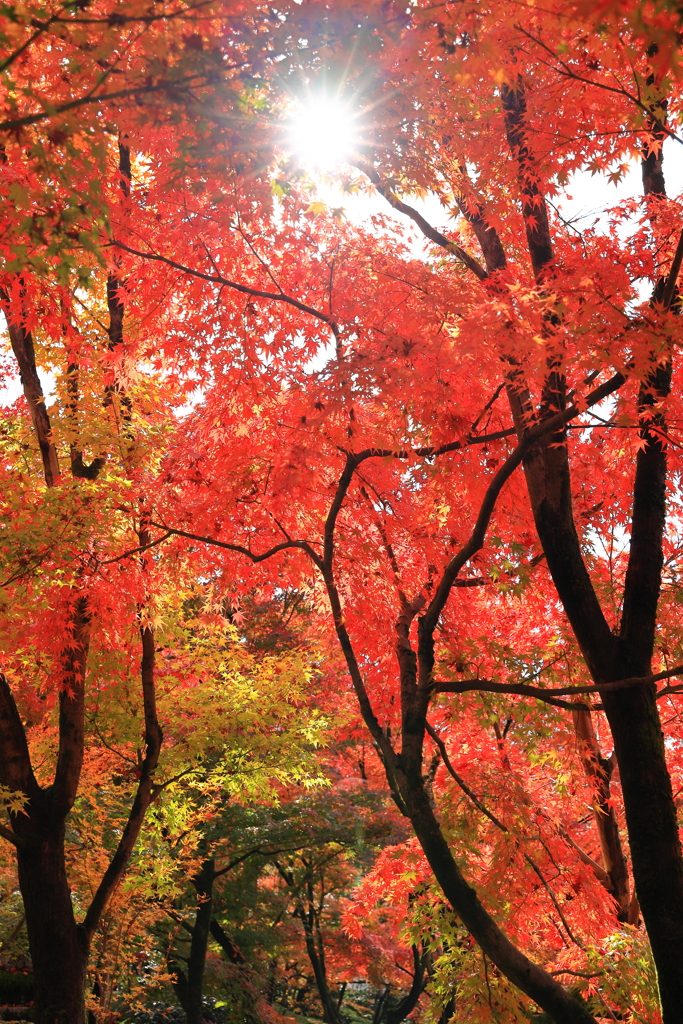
(586, 199)
(322, 137)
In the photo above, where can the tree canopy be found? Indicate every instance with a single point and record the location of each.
(387, 506)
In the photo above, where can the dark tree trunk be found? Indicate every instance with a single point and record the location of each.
(179, 980)
(404, 770)
(233, 952)
(398, 1013)
(632, 713)
(530, 978)
(316, 955)
(598, 772)
(308, 913)
(380, 1006)
(653, 834)
(57, 944)
(203, 883)
(447, 1012)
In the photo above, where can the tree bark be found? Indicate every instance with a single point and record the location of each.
(632, 714)
(406, 1005)
(316, 955)
(203, 883)
(233, 952)
(24, 353)
(404, 769)
(522, 972)
(598, 772)
(58, 948)
(315, 948)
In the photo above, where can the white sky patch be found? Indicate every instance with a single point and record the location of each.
(10, 384)
(322, 134)
(11, 389)
(583, 202)
(589, 195)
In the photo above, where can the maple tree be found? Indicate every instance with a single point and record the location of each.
(468, 462)
(232, 730)
(59, 180)
(265, 894)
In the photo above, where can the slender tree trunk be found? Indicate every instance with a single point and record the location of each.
(447, 1012)
(203, 883)
(632, 714)
(233, 952)
(404, 770)
(316, 955)
(598, 772)
(58, 948)
(380, 1005)
(398, 1013)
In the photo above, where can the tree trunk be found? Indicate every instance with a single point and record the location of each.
(447, 1011)
(406, 1005)
(58, 949)
(203, 883)
(632, 713)
(653, 834)
(316, 955)
(531, 979)
(598, 772)
(233, 952)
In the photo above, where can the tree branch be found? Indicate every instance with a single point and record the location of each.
(522, 689)
(24, 352)
(145, 790)
(72, 711)
(534, 867)
(227, 283)
(137, 550)
(173, 86)
(460, 781)
(16, 771)
(302, 545)
(425, 227)
(326, 566)
(7, 834)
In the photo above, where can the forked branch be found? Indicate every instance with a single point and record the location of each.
(145, 790)
(225, 282)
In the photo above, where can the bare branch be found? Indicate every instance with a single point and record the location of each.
(551, 696)
(10, 836)
(240, 549)
(670, 285)
(460, 781)
(534, 867)
(173, 86)
(227, 283)
(24, 352)
(425, 227)
(146, 790)
(136, 551)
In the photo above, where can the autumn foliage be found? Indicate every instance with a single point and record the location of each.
(451, 439)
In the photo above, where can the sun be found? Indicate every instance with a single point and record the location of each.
(322, 134)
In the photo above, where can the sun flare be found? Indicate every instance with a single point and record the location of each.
(322, 134)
